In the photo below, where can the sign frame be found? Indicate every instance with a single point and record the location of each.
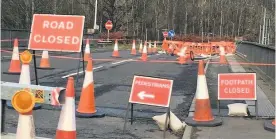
(43, 49)
(255, 100)
(238, 73)
(136, 102)
(170, 32)
(131, 103)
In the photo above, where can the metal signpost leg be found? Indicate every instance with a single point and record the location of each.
(131, 114)
(126, 118)
(167, 116)
(256, 109)
(36, 78)
(3, 115)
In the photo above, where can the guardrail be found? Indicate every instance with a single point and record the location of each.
(258, 53)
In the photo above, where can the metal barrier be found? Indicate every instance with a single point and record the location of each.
(258, 53)
(8, 34)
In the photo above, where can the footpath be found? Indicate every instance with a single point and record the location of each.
(247, 127)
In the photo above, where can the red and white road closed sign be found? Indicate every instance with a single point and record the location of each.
(237, 86)
(56, 32)
(151, 91)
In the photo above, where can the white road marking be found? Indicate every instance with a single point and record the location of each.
(79, 72)
(121, 61)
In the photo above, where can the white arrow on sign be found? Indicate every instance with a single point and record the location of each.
(143, 94)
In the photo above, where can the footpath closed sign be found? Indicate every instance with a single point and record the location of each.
(151, 91)
(237, 86)
(56, 32)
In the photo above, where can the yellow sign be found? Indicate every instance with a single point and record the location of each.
(26, 57)
(39, 96)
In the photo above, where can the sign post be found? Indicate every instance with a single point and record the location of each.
(171, 34)
(150, 91)
(237, 86)
(108, 26)
(165, 35)
(56, 32)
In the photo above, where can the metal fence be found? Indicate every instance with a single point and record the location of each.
(8, 35)
(258, 53)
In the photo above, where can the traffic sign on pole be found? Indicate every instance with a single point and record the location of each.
(237, 86)
(108, 25)
(56, 32)
(165, 34)
(151, 91)
(171, 33)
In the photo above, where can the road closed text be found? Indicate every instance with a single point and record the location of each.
(56, 33)
(237, 86)
(55, 39)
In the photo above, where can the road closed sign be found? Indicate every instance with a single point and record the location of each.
(237, 86)
(56, 32)
(151, 91)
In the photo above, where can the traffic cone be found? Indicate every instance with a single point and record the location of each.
(23, 101)
(182, 57)
(87, 51)
(203, 112)
(67, 121)
(141, 47)
(25, 78)
(222, 59)
(116, 49)
(87, 105)
(144, 56)
(133, 50)
(149, 48)
(269, 125)
(154, 48)
(15, 63)
(44, 61)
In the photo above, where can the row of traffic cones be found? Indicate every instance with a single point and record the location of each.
(15, 67)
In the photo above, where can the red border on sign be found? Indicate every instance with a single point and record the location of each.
(255, 98)
(83, 18)
(131, 93)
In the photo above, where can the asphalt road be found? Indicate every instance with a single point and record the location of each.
(112, 89)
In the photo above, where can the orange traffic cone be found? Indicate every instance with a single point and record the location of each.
(87, 51)
(44, 61)
(23, 101)
(87, 106)
(25, 78)
(67, 121)
(149, 48)
(15, 63)
(269, 125)
(182, 57)
(144, 56)
(203, 112)
(133, 50)
(116, 49)
(154, 48)
(222, 59)
(141, 47)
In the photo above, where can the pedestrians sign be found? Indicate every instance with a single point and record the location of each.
(237, 86)
(108, 25)
(151, 91)
(171, 33)
(56, 32)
